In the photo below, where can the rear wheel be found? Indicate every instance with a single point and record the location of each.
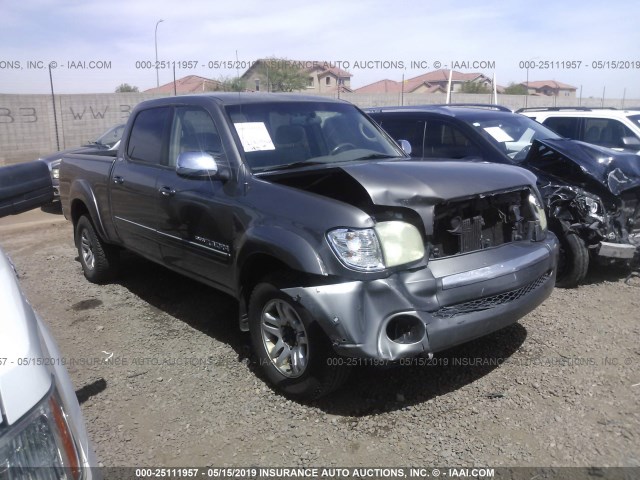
(293, 351)
(573, 262)
(99, 260)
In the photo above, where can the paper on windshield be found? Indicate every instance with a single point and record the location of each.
(499, 134)
(254, 136)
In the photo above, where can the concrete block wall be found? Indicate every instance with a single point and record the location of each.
(25, 127)
(28, 127)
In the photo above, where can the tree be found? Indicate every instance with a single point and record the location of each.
(126, 88)
(234, 84)
(282, 75)
(516, 89)
(227, 84)
(474, 87)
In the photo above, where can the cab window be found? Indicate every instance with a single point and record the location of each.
(146, 142)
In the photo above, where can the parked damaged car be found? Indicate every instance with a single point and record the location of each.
(332, 240)
(591, 194)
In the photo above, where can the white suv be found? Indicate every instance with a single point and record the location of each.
(607, 127)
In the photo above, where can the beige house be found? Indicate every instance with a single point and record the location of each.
(550, 88)
(322, 77)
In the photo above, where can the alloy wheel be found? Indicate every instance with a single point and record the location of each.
(285, 338)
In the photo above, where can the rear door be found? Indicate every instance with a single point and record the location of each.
(134, 194)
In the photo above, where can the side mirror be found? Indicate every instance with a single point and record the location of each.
(406, 146)
(631, 141)
(201, 165)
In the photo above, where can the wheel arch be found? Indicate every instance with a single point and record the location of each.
(257, 266)
(84, 202)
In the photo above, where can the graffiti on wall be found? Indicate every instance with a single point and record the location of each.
(18, 115)
(32, 115)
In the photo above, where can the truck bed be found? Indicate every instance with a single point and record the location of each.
(95, 170)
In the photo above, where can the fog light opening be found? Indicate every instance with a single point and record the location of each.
(405, 329)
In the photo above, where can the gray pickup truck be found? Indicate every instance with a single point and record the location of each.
(328, 235)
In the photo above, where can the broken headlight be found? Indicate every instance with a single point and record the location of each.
(538, 209)
(592, 205)
(389, 244)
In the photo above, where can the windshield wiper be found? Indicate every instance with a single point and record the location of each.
(375, 156)
(306, 163)
(286, 166)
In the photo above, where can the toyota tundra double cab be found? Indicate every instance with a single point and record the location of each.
(330, 237)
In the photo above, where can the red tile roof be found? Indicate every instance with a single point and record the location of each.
(433, 81)
(381, 86)
(188, 84)
(327, 67)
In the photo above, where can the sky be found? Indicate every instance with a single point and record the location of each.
(98, 45)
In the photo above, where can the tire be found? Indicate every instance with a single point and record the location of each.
(573, 262)
(98, 259)
(292, 349)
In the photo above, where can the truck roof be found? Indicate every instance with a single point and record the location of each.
(236, 98)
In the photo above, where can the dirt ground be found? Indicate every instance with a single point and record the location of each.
(166, 379)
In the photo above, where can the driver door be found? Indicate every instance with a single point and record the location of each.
(195, 216)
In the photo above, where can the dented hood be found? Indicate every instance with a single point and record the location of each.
(414, 183)
(580, 164)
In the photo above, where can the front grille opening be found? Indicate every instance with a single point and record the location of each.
(482, 222)
(492, 301)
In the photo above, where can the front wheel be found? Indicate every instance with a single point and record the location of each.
(99, 260)
(292, 349)
(573, 262)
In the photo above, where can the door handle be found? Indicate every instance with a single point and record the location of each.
(118, 180)
(167, 191)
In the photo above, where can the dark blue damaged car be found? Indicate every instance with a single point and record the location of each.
(591, 194)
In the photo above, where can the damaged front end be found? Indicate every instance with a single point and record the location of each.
(592, 192)
(487, 260)
(611, 233)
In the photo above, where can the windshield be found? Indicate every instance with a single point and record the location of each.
(280, 135)
(111, 136)
(635, 119)
(513, 134)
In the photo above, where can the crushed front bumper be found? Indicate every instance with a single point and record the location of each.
(450, 302)
(624, 251)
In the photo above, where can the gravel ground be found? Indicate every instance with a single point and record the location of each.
(166, 379)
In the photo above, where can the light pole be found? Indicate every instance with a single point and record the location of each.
(156, 37)
(526, 99)
(527, 84)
